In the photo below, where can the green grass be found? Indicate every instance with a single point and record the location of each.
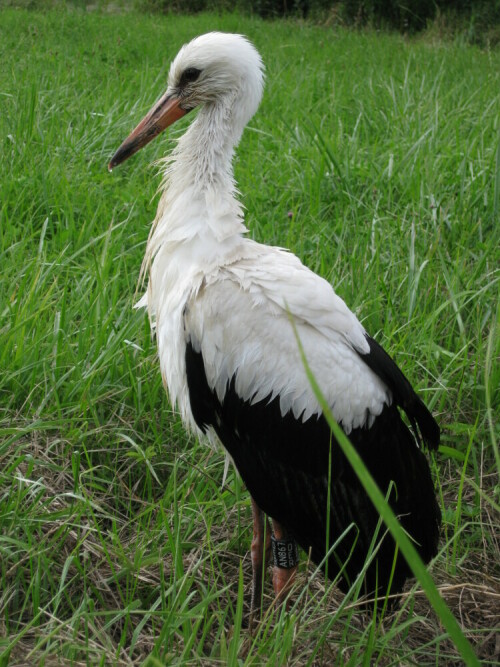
(118, 543)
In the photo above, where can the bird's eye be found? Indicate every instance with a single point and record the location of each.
(189, 75)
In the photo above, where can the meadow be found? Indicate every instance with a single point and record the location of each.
(376, 159)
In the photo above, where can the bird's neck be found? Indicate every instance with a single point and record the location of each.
(198, 191)
(199, 222)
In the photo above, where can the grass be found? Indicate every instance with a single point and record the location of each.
(377, 160)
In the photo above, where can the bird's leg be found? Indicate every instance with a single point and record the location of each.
(260, 554)
(286, 558)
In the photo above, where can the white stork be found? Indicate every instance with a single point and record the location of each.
(222, 307)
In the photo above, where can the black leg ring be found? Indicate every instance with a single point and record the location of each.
(285, 552)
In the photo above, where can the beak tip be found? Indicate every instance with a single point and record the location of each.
(115, 161)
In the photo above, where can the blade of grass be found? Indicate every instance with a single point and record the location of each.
(410, 553)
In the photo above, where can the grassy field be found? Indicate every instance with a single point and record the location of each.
(118, 543)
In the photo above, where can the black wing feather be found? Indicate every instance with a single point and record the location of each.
(285, 464)
(404, 395)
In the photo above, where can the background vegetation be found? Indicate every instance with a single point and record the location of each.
(472, 21)
(476, 21)
(377, 160)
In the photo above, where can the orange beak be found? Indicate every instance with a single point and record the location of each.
(165, 112)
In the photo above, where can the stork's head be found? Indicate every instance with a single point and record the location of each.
(216, 69)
